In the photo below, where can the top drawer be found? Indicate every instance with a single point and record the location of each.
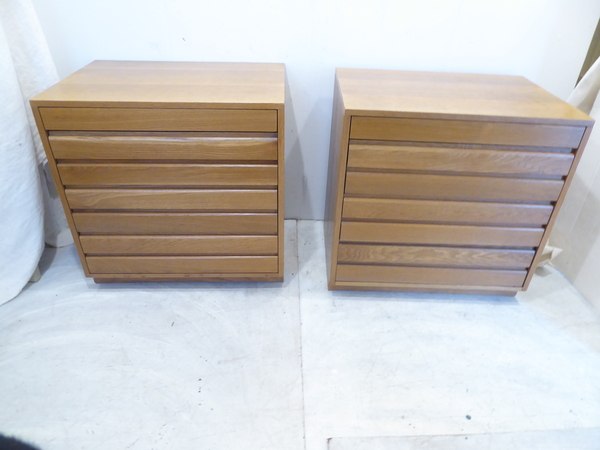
(141, 119)
(462, 131)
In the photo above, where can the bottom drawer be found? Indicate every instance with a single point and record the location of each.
(429, 275)
(99, 265)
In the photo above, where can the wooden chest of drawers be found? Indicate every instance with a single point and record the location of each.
(445, 182)
(170, 171)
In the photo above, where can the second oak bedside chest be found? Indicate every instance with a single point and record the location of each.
(445, 182)
(170, 171)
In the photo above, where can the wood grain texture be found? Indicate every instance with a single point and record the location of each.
(176, 199)
(484, 213)
(559, 202)
(180, 264)
(434, 256)
(458, 160)
(164, 146)
(400, 233)
(462, 131)
(451, 187)
(453, 96)
(425, 288)
(186, 277)
(198, 175)
(175, 223)
(338, 155)
(428, 275)
(179, 245)
(446, 172)
(164, 84)
(148, 119)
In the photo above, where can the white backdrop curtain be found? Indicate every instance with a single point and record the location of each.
(577, 228)
(30, 212)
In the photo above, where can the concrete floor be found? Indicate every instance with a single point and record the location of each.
(289, 366)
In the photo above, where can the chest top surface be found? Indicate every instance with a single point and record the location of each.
(452, 95)
(164, 84)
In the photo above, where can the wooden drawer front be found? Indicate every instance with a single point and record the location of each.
(450, 187)
(458, 160)
(171, 146)
(150, 119)
(163, 199)
(446, 211)
(199, 175)
(429, 275)
(181, 264)
(176, 223)
(434, 256)
(462, 131)
(179, 245)
(401, 233)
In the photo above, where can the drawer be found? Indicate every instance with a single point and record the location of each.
(179, 245)
(458, 160)
(175, 223)
(403, 233)
(451, 187)
(165, 146)
(175, 199)
(180, 264)
(155, 119)
(446, 211)
(465, 132)
(430, 276)
(434, 256)
(198, 175)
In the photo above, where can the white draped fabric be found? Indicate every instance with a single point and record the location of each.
(577, 229)
(30, 211)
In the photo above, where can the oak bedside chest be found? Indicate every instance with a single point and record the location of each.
(445, 182)
(170, 171)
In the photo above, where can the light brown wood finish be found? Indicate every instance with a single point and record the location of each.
(181, 264)
(546, 237)
(179, 245)
(436, 95)
(134, 119)
(434, 256)
(163, 146)
(170, 157)
(466, 235)
(458, 131)
(445, 171)
(199, 175)
(175, 223)
(162, 84)
(458, 160)
(482, 213)
(340, 127)
(425, 288)
(452, 187)
(176, 199)
(429, 275)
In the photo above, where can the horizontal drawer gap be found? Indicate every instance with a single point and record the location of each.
(443, 222)
(466, 200)
(183, 162)
(204, 187)
(519, 176)
(174, 211)
(466, 146)
(166, 134)
(430, 266)
(471, 246)
(178, 255)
